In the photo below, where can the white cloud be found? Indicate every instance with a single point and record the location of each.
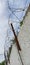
(3, 26)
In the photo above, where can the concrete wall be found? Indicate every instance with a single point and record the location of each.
(24, 39)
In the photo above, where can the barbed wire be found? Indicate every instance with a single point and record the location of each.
(13, 10)
(17, 9)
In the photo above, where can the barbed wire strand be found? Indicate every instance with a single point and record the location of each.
(19, 20)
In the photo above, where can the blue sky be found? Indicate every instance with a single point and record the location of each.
(4, 14)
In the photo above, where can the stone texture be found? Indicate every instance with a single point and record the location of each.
(24, 39)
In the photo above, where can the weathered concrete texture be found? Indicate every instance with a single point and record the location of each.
(24, 39)
(15, 59)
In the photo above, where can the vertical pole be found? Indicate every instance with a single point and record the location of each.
(17, 43)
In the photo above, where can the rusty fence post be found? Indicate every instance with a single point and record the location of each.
(17, 43)
(16, 39)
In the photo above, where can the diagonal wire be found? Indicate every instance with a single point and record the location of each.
(15, 10)
(17, 43)
(11, 9)
(13, 13)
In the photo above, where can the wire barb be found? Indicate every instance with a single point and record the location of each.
(17, 42)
